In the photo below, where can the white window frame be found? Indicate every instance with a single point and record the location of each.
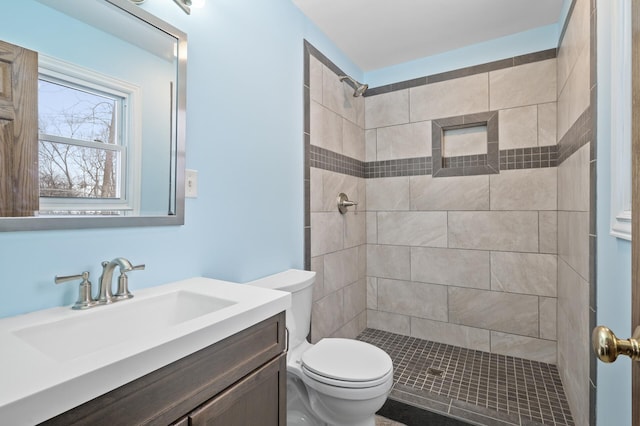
(131, 148)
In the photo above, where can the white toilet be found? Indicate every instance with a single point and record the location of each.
(338, 382)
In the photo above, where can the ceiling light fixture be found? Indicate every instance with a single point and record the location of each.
(185, 5)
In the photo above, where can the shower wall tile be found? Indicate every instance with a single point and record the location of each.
(414, 299)
(547, 124)
(326, 128)
(372, 227)
(388, 109)
(338, 96)
(317, 265)
(362, 262)
(331, 238)
(529, 84)
(372, 293)
(427, 229)
(528, 189)
(385, 321)
(315, 186)
(575, 98)
(333, 184)
(573, 240)
(389, 262)
(388, 193)
(464, 268)
(495, 230)
(452, 193)
(327, 316)
(518, 127)
(371, 144)
(340, 269)
(518, 314)
(355, 299)
(355, 229)
(452, 334)
(524, 273)
(353, 328)
(315, 79)
(548, 313)
(573, 181)
(576, 38)
(353, 140)
(404, 141)
(548, 223)
(461, 96)
(524, 347)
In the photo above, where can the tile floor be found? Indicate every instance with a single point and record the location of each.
(474, 386)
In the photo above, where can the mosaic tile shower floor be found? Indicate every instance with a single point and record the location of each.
(474, 386)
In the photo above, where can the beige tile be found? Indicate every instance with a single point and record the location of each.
(465, 141)
(426, 229)
(573, 334)
(495, 230)
(465, 95)
(326, 128)
(372, 293)
(548, 313)
(575, 39)
(359, 107)
(510, 313)
(450, 193)
(327, 316)
(414, 299)
(388, 262)
(575, 96)
(529, 84)
(518, 127)
(338, 96)
(547, 124)
(371, 144)
(372, 228)
(355, 299)
(355, 229)
(340, 269)
(315, 79)
(353, 328)
(451, 334)
(465, 268)
(388, 193)
(353, 140)
(335, 183)
(385, 321)
(524, 273)
(327, 232)
(317, 265)
(527, 189)
(316, 203)
(404, 141)
(573, 240)
(524, 347)
(573, 181)
(362, 262)
(548, 222)
(387, 109)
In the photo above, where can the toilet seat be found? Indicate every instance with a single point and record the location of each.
(347, 363)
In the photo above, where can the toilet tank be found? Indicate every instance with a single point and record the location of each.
(300, 284)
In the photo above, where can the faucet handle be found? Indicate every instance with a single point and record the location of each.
(123, 283)
(85, 300)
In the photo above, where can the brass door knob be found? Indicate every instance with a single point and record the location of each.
(607, 346)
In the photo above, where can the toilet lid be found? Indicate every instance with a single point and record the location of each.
(347, 360)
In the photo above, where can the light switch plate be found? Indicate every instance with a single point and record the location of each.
(191, 183)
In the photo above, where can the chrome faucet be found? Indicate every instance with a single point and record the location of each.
(105, 293)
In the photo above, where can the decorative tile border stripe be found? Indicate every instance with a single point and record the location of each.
(529, 158)
(392, 168)
(464, 161)
(580, 133)
(328, 160)
(464, 72)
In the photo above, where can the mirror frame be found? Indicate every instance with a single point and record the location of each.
(37, 223)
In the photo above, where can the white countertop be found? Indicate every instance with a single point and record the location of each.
(35, 386)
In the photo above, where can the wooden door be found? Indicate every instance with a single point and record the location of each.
(18, 131)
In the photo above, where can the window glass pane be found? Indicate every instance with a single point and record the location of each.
(74, 113)
(69, 171)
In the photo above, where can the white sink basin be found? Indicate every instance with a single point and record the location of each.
(76, 337)
(56, 359)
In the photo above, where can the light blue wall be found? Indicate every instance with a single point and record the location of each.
(244, 136)
(535, 40)
(613, 405)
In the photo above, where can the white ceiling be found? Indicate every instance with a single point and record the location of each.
(379, 33)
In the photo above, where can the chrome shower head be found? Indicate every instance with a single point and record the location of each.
(358, 88)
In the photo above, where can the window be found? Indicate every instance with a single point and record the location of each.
(87, 152)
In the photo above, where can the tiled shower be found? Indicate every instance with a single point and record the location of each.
(474, 225)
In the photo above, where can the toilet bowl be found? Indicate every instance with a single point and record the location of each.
(335, 381)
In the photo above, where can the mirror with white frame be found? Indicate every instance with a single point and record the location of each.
(111, 93)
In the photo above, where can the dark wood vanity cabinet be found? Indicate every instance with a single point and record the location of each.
(239, 381)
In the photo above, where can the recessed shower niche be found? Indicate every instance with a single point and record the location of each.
(465, 145)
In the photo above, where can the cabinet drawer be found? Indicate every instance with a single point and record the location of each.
(167, 394)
